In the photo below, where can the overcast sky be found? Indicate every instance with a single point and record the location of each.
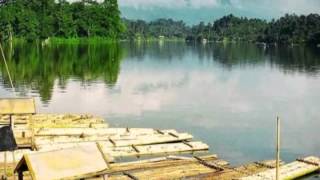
(194, 11)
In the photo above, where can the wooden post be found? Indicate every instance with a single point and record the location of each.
(11, 122)
(5, 165)
(278, 150)
(20, 175)
(14, 165)
(13, 155)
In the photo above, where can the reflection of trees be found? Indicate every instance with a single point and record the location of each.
(36, 67)
(156, 50)
(237, 54)
(295, 59)
(301, 58)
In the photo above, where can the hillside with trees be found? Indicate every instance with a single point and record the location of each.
(287, 29)
(294, 29)
(40, 19)
(230, 28)
(137, 29)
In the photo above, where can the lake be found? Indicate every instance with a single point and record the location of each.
(227, 95)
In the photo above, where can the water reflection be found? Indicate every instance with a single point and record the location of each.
(37, 67)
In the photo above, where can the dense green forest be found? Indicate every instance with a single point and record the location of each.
(168, 28)
(287, 29)
(40, 19)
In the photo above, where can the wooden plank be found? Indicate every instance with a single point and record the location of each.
(236, 172)
(292, 170)
(162, 162)
(152, 149)
(117, 140)
(164, 168)
(171, 172)
(54, 120)
(71, 125)
(152, 164)
(17, 106)
(70, 118)
(127, 151)
(95, 131)
(64, 163)
(66, 121)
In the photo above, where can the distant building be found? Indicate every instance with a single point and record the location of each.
(204, 41)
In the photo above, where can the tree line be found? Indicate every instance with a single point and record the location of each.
(40, 19)
(136, 29)
(287, 29)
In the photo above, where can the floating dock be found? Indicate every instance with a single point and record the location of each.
(129, 153)
(70, 146)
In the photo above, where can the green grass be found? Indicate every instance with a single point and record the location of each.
(71, 40)
(155, 39)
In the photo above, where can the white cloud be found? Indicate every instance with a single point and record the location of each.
(283, 6)
(278, 6)
(144, 4)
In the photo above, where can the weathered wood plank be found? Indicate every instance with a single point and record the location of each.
(71, 125)
(236, 172)
(162, 162)
(116, 138)
(170, 172)
(127, 151)
(113, 141)
(96, 131)
(63, 163)
(17, 106)
(156, 165)
(289, 171)
(153, 149)
(55, 120)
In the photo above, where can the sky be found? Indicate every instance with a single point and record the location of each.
(194, 11)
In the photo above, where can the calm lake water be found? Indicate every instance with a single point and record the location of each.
(227, 95)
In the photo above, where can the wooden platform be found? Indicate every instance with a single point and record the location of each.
(49, 132)
(132, 153)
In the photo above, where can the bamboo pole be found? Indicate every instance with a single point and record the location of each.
(14, 164)
(278, 150)
(7, 68)
(5, 164)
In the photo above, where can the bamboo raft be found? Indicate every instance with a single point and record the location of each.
(96, 151)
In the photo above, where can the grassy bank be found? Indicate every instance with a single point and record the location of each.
(59, 40)
(91, 40)
(155, 39)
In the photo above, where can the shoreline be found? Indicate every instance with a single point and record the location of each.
(104, 40)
